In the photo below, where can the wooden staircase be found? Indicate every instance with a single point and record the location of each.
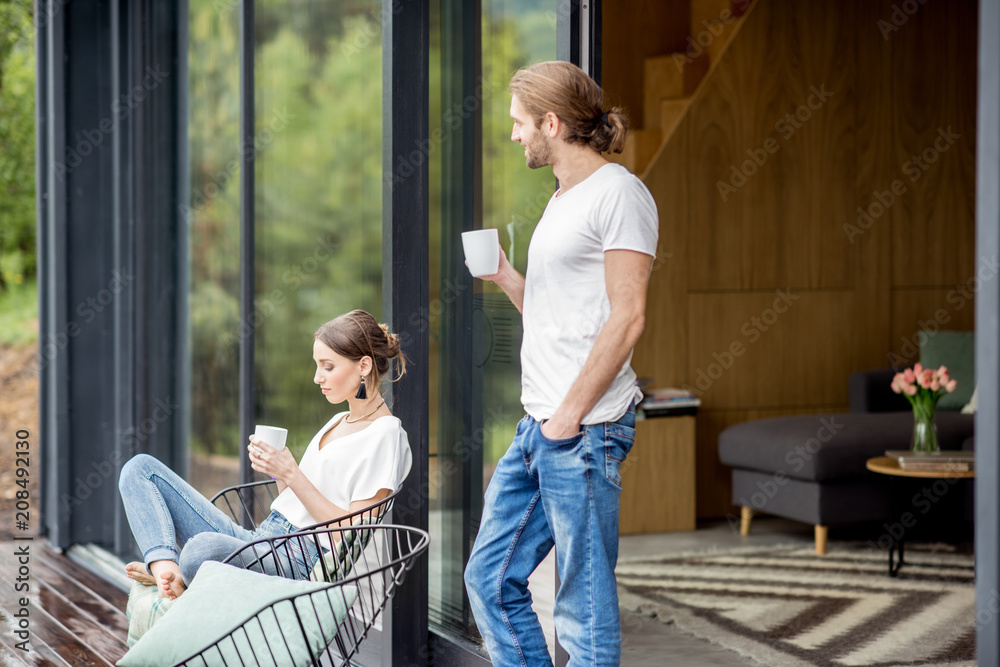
(670, 81)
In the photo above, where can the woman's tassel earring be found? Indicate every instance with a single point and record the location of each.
(362, 393)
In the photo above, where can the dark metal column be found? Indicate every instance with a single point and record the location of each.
(405, 277)
(987, 339)
(460, 395)
(578, 34)
(109, 251)
(247, 246)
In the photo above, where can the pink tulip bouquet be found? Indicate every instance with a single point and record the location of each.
(923, 388)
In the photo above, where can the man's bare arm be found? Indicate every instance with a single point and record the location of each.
(509, 280)
(626, 276)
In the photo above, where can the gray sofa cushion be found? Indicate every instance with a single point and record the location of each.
(832, 446)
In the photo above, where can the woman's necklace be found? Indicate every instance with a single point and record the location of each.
(348, 421)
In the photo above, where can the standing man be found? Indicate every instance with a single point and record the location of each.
(583, 301)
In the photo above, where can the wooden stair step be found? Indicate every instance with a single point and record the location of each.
(671, 76)
(726, 30)
(671, 112)
(703, 11)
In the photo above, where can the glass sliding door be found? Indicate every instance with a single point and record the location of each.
(212, 216)
(318, 192)
(477, 179)
(317, 145)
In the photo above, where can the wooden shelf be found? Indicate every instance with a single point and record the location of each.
(658, 477)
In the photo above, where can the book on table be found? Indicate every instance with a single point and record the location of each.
(668, 402)
(941, 461)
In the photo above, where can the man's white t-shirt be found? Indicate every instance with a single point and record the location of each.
(351, 467)
(565, 296)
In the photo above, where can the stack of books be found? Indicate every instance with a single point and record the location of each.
(944, 461)
(668, 402)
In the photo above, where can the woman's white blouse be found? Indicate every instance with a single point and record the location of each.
(351, 467)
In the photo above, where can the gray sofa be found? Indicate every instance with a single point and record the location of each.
(811, 468)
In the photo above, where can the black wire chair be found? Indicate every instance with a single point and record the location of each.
(329, 623)
(249, 504)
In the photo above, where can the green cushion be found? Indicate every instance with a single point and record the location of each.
(957, 351)
(336, 564)
(222, 598)
(144, 608)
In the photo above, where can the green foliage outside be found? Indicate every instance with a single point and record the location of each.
(318, 185)
(19, 314)
(18, 291)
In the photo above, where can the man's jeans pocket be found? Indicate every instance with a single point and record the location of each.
(560, 442)
(618, 442)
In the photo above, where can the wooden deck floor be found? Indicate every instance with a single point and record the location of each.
(74, 616)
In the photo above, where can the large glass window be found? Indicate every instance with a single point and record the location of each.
(318, 192)
(477, 179)
(318, 209)
(213, 218)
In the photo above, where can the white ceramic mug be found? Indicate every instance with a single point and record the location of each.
(272, 435)
(482, 251)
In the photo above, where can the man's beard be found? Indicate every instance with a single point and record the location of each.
(538, 154)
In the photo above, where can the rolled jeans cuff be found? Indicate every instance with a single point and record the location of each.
(159, 553)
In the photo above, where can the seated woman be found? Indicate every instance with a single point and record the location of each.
(358, 458)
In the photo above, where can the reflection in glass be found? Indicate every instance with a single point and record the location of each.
(318, 192)
(477, 179)
(212, 216)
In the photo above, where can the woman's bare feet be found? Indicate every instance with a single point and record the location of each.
(167, 574)
(136, 570)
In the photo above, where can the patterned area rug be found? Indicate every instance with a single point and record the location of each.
(786, 606)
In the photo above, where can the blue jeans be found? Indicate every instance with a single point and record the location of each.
(545, 492)
(170, 520)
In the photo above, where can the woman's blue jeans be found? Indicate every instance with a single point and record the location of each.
(170, 520)
(545, 492)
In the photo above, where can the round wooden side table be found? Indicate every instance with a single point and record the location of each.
(887, 465)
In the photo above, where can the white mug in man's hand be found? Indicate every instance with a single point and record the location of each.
(482, 251)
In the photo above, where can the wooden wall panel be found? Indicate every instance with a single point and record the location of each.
(934, 89)
(795, 223)
(761, 153)
(661, 352)
(872, 243)
(798, 357)
(931, 310)
(632, 33)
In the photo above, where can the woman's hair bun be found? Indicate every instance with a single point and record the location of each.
(392, 341)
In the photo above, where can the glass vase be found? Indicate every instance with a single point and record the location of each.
(925, 439)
